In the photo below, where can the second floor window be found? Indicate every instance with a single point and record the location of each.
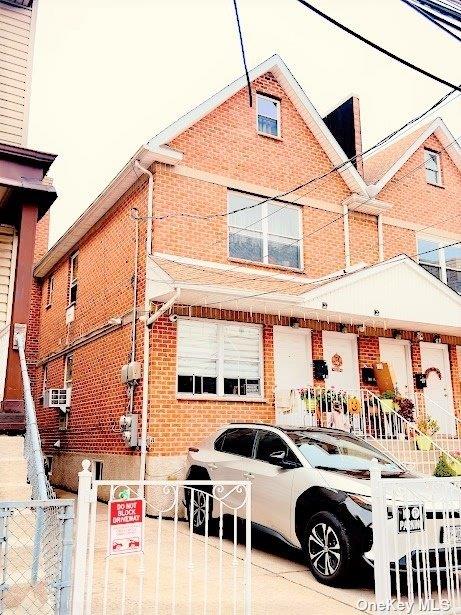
(49, 291)
(433, 167)
(264, 232)
(73, 278)
(444, 262)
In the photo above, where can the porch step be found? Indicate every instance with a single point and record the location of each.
(13, 483)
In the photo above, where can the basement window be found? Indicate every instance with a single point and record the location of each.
(97, 469)
(433, 167)
(268, 114)
(73, 278)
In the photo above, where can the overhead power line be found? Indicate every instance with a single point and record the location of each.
(444, 24)
(242, 48)
(378, 47)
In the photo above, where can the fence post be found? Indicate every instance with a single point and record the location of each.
(67, 517)
(81, 538)
(380, 550)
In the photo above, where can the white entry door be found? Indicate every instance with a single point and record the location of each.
(438, 394)
(340, 353)
(397, 354)
(292, 358)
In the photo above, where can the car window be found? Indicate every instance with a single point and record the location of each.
(239, 442)
(270, 442)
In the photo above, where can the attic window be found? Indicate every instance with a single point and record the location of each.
(433, 167)
(268, 110)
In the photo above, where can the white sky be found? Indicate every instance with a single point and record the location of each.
(109, 74)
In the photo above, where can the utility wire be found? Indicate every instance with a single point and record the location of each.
(378, 47)
(438, 21)
(242, 48)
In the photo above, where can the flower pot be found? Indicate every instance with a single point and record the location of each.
(387, 405)
(311, 405)
(456, 467)
(424, 443)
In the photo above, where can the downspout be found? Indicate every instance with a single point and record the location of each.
(145, 369)
(347, 249)
(380, 238)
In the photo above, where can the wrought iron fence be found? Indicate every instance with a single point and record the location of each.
(36, 556)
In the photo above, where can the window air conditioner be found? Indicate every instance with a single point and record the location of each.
(57, 398)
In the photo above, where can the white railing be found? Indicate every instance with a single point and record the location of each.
(364, 414)
(183, 567)
(4, 344)
(416, 544)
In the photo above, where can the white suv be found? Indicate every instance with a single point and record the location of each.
(310, 486)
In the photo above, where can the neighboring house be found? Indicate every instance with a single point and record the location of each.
(257, 290)
(25, 197)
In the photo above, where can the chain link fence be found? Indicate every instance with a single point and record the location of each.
(36, 557)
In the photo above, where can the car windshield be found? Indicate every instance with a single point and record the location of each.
(341, 453)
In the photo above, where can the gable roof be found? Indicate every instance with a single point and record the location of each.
(381, 167)
(303, 105)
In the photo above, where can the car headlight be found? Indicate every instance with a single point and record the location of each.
(364, 501)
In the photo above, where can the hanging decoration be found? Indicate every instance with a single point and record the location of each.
(337, 363)
(435, 370)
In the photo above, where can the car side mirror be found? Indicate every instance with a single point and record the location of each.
(279, 458)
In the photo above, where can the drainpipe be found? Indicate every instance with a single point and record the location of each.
(380, 238)
(145, 369)
(166, 306)
(347, 250)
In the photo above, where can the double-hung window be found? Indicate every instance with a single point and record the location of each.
(433, 167)
(219, 358)
(268, 110)
(264, 231)
(73, 278)
(442, 260)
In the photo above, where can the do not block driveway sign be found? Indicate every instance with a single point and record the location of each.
(126, 527)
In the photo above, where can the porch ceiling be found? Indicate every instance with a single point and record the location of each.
(394, 294)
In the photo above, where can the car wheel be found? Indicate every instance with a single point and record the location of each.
(199, 505)
(328, 549)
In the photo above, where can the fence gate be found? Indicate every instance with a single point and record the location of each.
(417, 543)
(36, 557)
(166, 565)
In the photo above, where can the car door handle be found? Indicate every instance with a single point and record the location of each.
(248, 475)
(212, 466)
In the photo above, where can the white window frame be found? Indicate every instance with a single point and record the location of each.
(72, 281)
(66, 368)
(220, 364)
(279, 116)
(439, 167)
(49, 291)
(442, 243)
(265, 231)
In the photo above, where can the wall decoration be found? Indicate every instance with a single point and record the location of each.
(435, 370)
(337, 363)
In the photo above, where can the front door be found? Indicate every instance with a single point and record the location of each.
(340, 353)
(438, 394)
(397, 354)
(292, 358)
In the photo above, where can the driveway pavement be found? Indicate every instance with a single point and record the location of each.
(280, 580)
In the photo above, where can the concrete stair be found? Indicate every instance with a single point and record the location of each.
(13, 483)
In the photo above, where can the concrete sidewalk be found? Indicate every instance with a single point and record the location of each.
(280, 580)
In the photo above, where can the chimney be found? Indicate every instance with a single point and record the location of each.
(344, 124)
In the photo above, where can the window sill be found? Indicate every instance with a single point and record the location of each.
(435, 185)
(266, 134)
(244, 261)
(231, 398)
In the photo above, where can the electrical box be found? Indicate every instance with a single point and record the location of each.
(131, 372)
(320, 369)
(129, 428)
(56, 398)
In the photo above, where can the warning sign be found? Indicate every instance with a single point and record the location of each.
(126, 527)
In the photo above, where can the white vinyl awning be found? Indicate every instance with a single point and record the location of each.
(397, 293)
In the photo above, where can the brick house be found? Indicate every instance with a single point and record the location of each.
(244, 294)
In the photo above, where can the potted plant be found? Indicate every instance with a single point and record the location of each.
(405, 408)
(444, 467)
(309, 398)
(427, 428)
(387, 401)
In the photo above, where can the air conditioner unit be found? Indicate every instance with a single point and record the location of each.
(57, 398)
